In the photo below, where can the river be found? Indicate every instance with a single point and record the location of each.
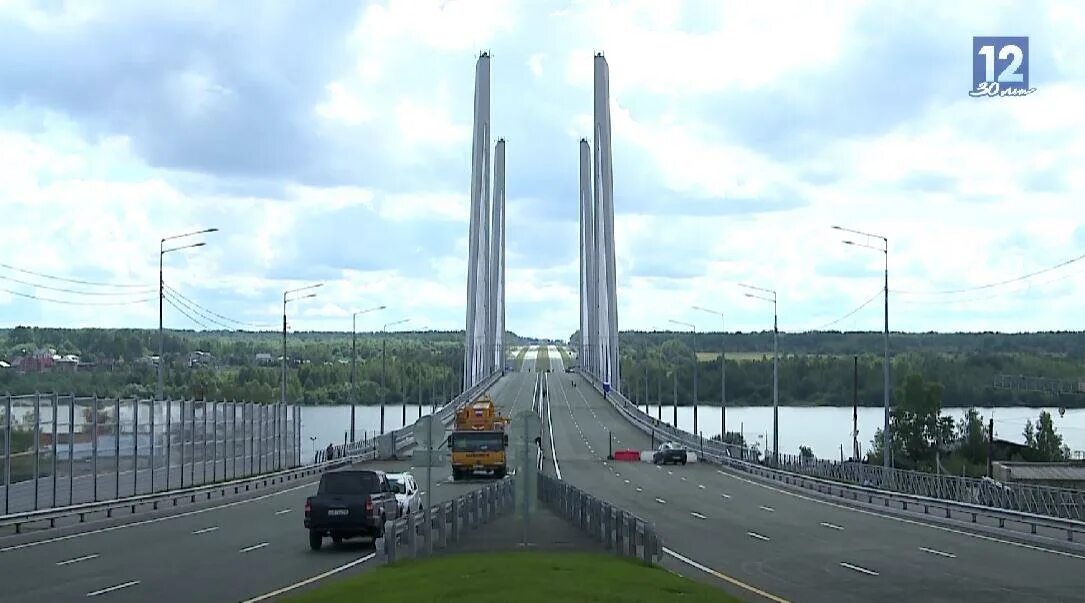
(824, 429)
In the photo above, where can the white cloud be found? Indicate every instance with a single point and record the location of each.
(710, 134)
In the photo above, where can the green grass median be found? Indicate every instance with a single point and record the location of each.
(516, 576)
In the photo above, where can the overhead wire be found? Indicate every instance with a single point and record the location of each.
(848, 315)
(186, 314)
(995, 284)
(77, 303)
(216, 314)
(72, 280)
(76, 291)
(177, 302)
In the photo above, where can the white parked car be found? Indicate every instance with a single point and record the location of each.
(407, 494)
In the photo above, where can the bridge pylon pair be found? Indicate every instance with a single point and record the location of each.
(484, 350)
(598, 346)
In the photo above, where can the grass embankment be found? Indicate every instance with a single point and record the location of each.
(542, 361)
(518, 576)
(565, 357)
(520, 358)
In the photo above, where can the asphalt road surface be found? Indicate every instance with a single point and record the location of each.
(231, 550)
(763, 542)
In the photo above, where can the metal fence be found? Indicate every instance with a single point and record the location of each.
(1062, 503)
(63, 449)
(446, 522)
(617, 529)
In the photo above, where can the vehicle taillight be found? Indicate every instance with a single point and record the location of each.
(368, 504)
(308, 508)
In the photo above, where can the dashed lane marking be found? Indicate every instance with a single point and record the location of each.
(856, 568)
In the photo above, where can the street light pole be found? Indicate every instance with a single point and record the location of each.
(723, 371)
(775, 366)
(693, 329)
(384, 347)
(354, 362)
(282, 396)
(162, 251)
(884, 249)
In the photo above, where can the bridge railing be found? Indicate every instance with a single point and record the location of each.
(412, 536)
(1033, 503)
(617, 529)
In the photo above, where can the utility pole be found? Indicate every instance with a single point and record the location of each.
(855, 410)
(990, 447)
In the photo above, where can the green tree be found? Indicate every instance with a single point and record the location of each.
(806, 453)
(1044, 443)
(973, 437)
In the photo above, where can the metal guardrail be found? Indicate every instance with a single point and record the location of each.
(1069, 527)
(617, 529)
(132, 503)
(412, 536)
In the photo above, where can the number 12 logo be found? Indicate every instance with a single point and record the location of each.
(1000, 66)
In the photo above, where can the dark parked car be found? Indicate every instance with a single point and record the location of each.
(669, 453)
(349, 504)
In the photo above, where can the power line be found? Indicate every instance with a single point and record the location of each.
(187, 315)
(76, 291)
(849, 314)
(174, 301)
(1018, 290)
(77, 303)
(71, 280)
(996, 284)
(216, 314)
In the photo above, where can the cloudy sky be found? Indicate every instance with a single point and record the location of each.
(332, 145)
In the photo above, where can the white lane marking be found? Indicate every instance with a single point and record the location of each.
(617, 475)
(661, 501)
(206, 530)
(757, 536)
(78, 559)
(550, 424)
(321, 576)
(26, 545)
(831, 525)
(934, 552)
(701, 486)
(725, 495)
(769, 509)
(627, 481)
(284, 511)
(112, 588)
(721, 576)
(1032, 547)
(639, 489)
(253, 547)
(683, 478)
(856, 568)
(697, 515)
(669, 472)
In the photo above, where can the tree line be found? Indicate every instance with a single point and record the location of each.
(922, 438)
(652, 373)
(416, 366)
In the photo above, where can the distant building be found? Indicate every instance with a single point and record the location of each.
(200, 359)
(1059, 475)
(263, 358)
